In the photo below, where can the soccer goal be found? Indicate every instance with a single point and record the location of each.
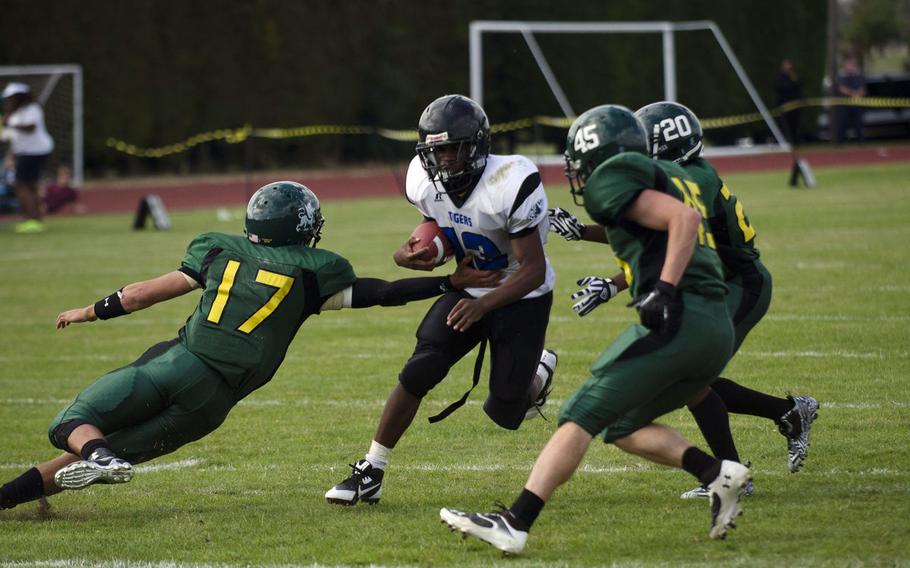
(666, 29)
(59, 90)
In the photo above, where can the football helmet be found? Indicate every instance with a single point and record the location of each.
(596, 136)
(284, 213)
(453, 142)
(674, 132)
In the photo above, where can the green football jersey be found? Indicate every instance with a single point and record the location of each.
(640, 252)
(254, 298)
(733, 234)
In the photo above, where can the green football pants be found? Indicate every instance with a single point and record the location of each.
(748, 301)
(643, 375)
(165, 399)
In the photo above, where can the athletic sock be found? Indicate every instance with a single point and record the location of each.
(712, 418)
(378, 456)
(525, 510)
(27, 487)
(701, 465)
(99, 445)
(742, 400)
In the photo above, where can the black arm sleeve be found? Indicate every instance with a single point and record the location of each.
(368, 292)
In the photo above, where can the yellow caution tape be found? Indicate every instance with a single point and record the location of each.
(238, 135)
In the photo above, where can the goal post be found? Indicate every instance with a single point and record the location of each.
(58, 88)
(667, 30)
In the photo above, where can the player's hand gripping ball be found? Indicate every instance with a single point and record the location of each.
(438, 248)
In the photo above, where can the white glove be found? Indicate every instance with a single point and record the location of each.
(595, 292)
(565, 224)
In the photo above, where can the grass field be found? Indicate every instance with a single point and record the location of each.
(252, 492)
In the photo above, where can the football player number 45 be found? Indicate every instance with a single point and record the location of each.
(586, 138)
(282, 282)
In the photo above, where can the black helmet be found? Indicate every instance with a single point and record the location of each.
(596, 136)
(283, 213)
(454, 120)
(674, 132)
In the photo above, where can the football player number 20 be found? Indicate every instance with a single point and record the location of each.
(282, 282)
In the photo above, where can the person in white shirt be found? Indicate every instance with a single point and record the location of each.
(31, 145)
(493, 211)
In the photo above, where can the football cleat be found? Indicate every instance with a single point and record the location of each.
(548, 360)
(701, 492)
(803, 414)
(101, 467)
(725, 492)
(364, 484)
(493, 528)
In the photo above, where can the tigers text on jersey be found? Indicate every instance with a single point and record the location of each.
(254, 298)
(508, 202)
(641, 252)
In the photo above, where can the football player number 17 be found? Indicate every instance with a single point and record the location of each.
(282, 282)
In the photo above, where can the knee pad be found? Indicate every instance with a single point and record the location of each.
(424, 370)
(61, 432)
(508, 414)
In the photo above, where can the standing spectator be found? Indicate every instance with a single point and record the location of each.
(23, 122)
(850, 83)
(60, 192)
(788, 88)
(8, 201)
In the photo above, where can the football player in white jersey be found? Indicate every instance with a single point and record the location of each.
(493, 209)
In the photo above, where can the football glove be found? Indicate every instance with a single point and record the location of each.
(595, 292)
(565, 224)
(659, 309)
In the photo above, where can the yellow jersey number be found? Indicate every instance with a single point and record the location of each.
(282, 282)
(744, 226)
(692, 198)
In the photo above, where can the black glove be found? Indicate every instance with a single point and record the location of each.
(659, 309)
(595, 292)
(565, 224)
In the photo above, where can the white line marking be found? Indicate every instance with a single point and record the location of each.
(818, 354)
(169, 466)
(378, 403)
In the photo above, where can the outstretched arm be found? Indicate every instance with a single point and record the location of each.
(131, 298)
(367, 292)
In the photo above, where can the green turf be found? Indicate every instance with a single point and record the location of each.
(251, 493)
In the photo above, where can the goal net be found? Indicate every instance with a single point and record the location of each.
(550, 75)
(58, 88)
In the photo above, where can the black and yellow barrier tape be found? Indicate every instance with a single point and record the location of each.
(237, 135)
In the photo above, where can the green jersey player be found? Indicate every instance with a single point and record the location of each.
(675, 135)
(654, 220)
(257, 291)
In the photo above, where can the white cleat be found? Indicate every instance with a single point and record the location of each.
(81, 474)
(542, 384)
(725, 493)
(492, 528)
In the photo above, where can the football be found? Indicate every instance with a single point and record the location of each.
(431, 236)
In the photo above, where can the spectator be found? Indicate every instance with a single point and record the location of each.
(788, 88)
(850, 83)
(8, 201)
(61, 192)
(23, 122)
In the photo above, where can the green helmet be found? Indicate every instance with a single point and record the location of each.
(283, 213)
(596, 136)
(674, 131)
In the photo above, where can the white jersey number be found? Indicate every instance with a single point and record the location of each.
(673, 128)
(586, 138)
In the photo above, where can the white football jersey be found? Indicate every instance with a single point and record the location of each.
(508, 201)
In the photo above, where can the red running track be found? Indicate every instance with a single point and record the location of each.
(123, 195)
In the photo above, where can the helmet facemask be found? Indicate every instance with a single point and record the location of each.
(577, 179)
(452, 163)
